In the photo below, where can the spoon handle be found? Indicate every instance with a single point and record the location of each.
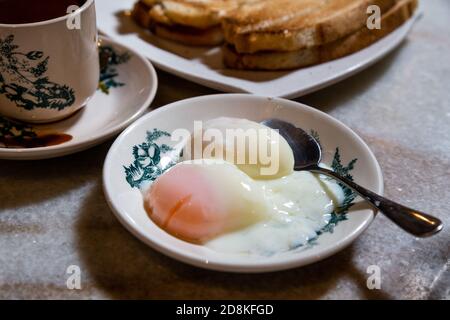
(415, 222)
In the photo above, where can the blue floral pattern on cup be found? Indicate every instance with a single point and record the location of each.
(28, 85)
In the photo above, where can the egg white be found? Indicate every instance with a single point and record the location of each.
(299, 205)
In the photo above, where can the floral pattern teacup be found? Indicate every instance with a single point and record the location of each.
(49, 69)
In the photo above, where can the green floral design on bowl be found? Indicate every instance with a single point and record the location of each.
(147, 159)
(109, 59)
(15, 130)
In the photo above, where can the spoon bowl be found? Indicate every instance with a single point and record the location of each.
(306, 149)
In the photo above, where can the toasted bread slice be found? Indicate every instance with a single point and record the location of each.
(358, 40)
(192, 22)
(201, 14)
(283, 25)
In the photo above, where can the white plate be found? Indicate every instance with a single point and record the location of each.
(127, 203)
(105, 115)
(204, 65)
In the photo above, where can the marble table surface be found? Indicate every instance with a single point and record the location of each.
(53, 213)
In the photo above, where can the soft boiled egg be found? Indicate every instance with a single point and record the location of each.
(257, 150)
(232, 207)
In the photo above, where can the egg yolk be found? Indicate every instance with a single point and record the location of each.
(198, 202)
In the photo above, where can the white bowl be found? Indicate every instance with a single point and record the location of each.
(127, 202)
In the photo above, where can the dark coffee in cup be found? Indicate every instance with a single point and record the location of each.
(28, 11)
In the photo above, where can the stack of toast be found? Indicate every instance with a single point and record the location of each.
(273, 34)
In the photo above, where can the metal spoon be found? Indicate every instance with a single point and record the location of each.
(308, 154)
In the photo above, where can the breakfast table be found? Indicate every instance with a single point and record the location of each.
(54, 217)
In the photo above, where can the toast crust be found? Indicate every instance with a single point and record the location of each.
(273, 60)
